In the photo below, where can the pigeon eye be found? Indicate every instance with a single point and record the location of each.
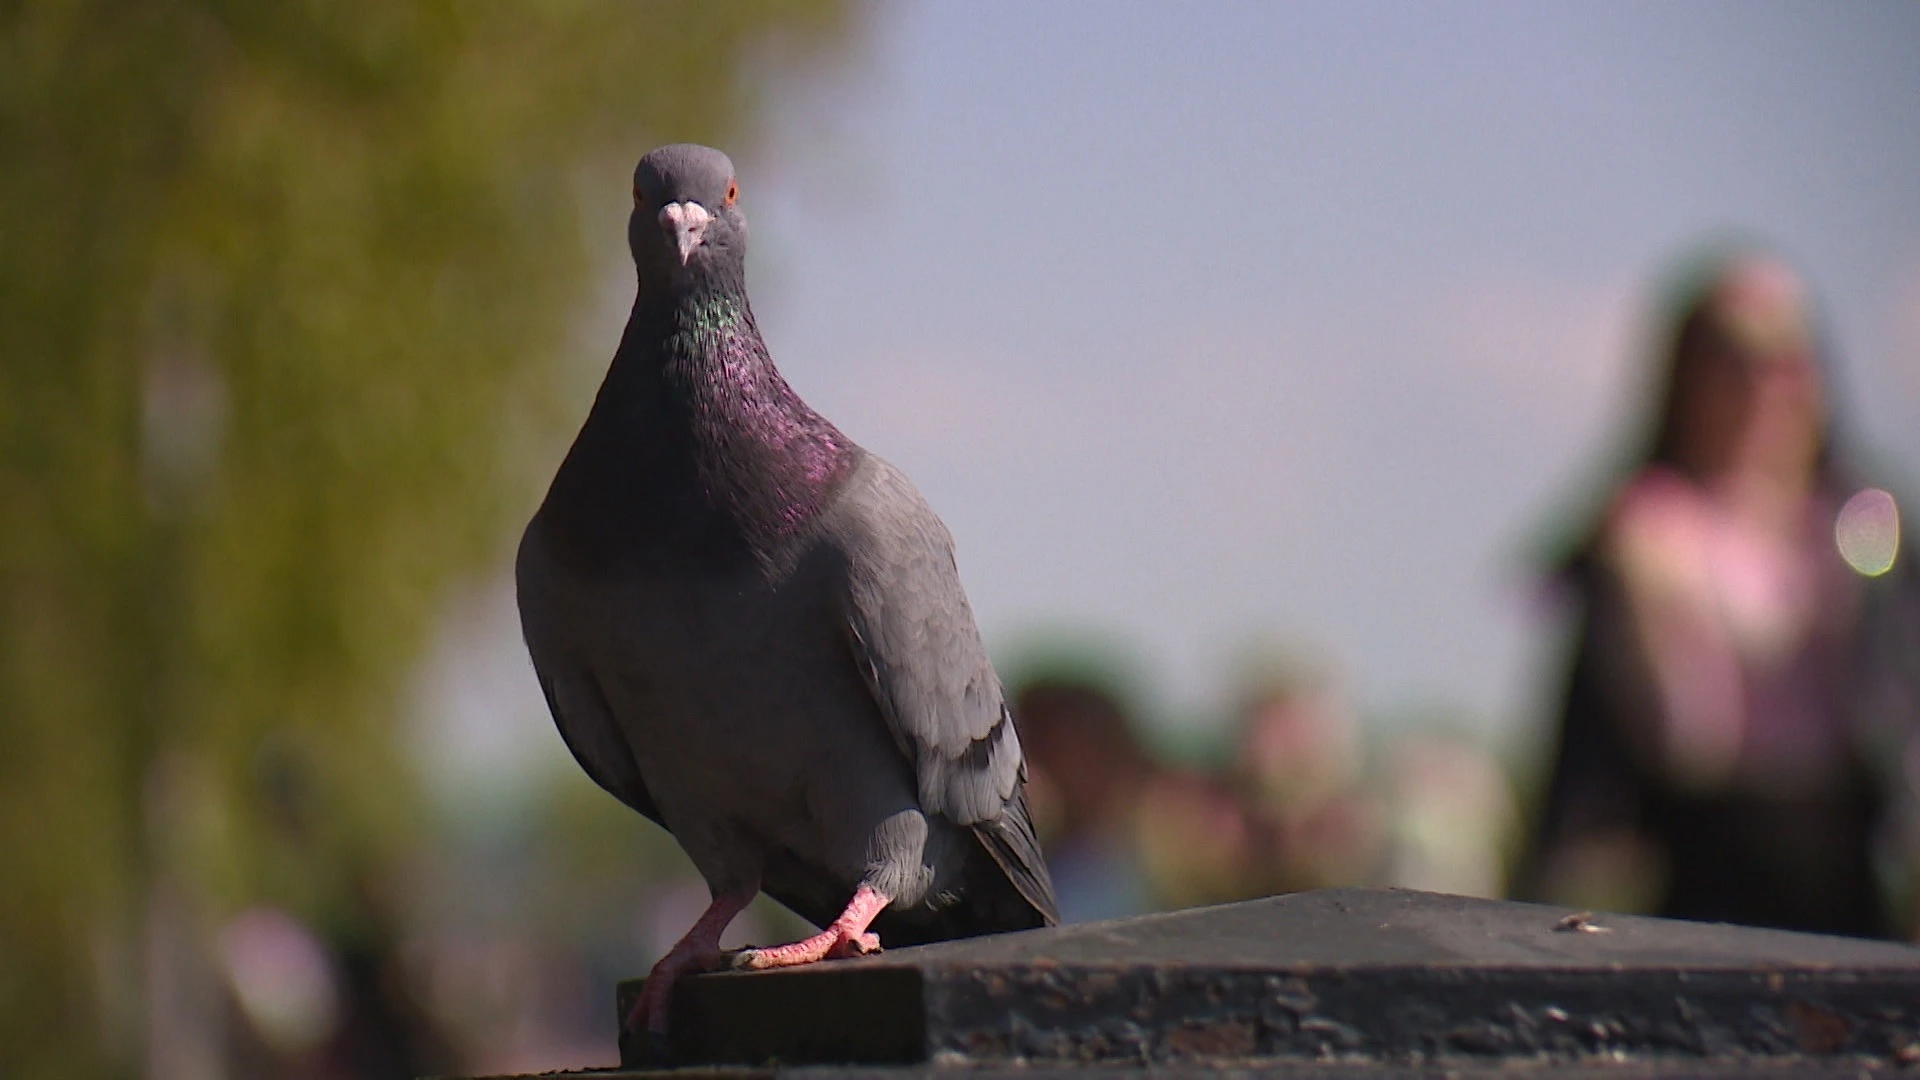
(733, 192)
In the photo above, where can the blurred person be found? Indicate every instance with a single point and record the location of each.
(1451, 816)
(1742, 695)
(1300, 769)
(328, 997)
(1290, 810)
(322, 1005)
(1198, 843)
(1086, 771)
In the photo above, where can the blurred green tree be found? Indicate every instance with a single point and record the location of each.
(281, 284)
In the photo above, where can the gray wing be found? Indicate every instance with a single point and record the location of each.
(579, 707)
(914, 637)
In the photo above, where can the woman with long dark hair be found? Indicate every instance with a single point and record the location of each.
(1737, 732)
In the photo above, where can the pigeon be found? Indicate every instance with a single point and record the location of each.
(752, 631)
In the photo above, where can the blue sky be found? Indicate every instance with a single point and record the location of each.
(1199, 322)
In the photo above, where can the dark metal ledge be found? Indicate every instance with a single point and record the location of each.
(1339, 982)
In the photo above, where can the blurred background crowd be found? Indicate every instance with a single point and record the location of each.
(1372, 458)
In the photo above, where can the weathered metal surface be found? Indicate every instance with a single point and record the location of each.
(1268, 1070)
(1348, 978)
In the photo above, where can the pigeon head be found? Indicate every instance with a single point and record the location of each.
(685, 225)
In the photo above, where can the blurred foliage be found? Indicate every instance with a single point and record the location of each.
(279, 284)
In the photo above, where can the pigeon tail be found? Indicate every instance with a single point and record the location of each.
(1010, 840)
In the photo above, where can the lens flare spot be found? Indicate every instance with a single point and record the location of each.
(1867, 532)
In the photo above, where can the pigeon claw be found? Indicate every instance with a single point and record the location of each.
(699, 950)
(847, 936)
(857, 945)
(831, 944)
(647, 1020)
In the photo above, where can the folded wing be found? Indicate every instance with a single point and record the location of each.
(912, 633)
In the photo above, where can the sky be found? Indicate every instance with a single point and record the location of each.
(1206, 324)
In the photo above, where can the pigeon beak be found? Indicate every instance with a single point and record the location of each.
(685, 223)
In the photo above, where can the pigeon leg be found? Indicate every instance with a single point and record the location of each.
(699, 950)
(846, 937)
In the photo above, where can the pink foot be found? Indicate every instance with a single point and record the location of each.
(650, 1012)
(847, 936)
(828, 944)
(699, 950)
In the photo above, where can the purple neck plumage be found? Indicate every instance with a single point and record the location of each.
(763, 456)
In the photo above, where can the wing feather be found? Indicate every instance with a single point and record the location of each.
(912, 632)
